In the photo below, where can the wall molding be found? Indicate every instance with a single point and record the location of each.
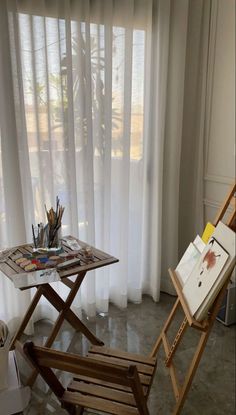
(219, 179)
(211, 203)
(214, 204)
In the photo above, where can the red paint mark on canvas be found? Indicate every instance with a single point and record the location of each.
(210, 259)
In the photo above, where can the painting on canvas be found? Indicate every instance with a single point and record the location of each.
(226, 237)
(204, 274)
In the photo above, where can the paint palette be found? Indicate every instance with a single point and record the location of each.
(37, 261)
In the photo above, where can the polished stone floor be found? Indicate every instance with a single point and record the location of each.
(135, 330)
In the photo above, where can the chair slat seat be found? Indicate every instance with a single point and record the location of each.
(146, 366)
(135, 358)
(105, 392)
(106, 396)
(94, 381)
(142, 368)
(99, 404)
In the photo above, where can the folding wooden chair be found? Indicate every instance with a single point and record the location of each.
(117, 383)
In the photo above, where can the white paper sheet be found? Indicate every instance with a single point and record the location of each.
(30, 279)
(204, 274)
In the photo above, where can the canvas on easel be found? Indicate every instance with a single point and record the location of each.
(226, 237)
(206, 272)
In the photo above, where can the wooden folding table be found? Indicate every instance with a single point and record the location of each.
(10, 268)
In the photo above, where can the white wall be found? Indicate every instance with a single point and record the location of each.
(220, 134)
(208, 149)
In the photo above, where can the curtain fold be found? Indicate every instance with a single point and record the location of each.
(97, 105)
(198, 91)
(173, 138)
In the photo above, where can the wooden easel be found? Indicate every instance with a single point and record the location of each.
(181, 391)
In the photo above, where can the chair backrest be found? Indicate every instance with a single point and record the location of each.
(45, 359)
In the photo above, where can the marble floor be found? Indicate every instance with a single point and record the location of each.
(135, 330)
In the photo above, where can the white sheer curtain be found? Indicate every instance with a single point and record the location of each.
(85, 119)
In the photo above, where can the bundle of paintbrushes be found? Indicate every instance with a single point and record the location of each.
(38, 235)
(54, 218)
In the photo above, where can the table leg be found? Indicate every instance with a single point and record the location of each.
(28, 314)
(71, 317)
(64, 313)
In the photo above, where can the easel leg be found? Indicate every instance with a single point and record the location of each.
(167, 324)
(191, 372)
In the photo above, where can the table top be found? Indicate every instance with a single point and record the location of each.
(100, 259)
